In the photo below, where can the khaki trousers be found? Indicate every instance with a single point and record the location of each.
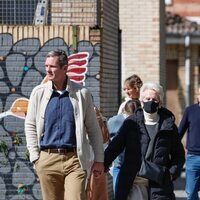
(61, 176)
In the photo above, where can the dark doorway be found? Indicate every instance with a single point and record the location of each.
(172, 102)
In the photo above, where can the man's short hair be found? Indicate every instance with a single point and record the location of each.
(63, 59)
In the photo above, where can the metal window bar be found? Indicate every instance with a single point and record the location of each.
(18, 12)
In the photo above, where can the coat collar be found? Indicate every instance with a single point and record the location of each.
(166, 121)
(71, 87)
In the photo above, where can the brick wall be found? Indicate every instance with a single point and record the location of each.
(21, 69)
(22, 56)
(143, 39)
(97, 14)
(70, 12)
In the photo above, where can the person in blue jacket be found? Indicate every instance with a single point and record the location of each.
(114, 124)
(191, 123)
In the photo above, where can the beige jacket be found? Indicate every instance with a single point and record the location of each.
(88, 133)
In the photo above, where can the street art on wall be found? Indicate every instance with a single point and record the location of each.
(77, 69)
(17, 109)
(21, 69)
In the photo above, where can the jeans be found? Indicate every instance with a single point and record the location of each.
(115, 172)
(116, 168)
(192, 176)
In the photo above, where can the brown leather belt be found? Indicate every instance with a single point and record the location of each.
(60, 151)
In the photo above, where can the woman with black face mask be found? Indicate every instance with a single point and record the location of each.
(161, 151)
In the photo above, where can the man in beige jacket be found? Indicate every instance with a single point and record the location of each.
(61, 128)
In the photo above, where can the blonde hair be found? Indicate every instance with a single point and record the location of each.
(134, 81)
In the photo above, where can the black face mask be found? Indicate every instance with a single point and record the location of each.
(151, 106)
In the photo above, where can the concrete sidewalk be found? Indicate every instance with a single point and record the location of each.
(179, 187)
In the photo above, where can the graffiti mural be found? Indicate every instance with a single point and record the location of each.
(21, 69)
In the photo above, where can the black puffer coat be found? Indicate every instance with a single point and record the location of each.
(167, 152)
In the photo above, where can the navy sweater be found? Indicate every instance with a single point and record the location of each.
(191, 123)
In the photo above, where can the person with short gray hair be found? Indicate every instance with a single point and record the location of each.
(150, 167)
(62, 56)
(152, 86)
(162, 151)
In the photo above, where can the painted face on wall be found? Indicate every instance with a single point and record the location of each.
(151, 101)
(54, 71)
(131, 92)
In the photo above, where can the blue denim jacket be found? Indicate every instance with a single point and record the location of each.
(114, 124)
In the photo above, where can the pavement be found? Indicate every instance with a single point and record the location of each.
(179, 187)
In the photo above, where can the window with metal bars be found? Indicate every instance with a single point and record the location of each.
(17, 12)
